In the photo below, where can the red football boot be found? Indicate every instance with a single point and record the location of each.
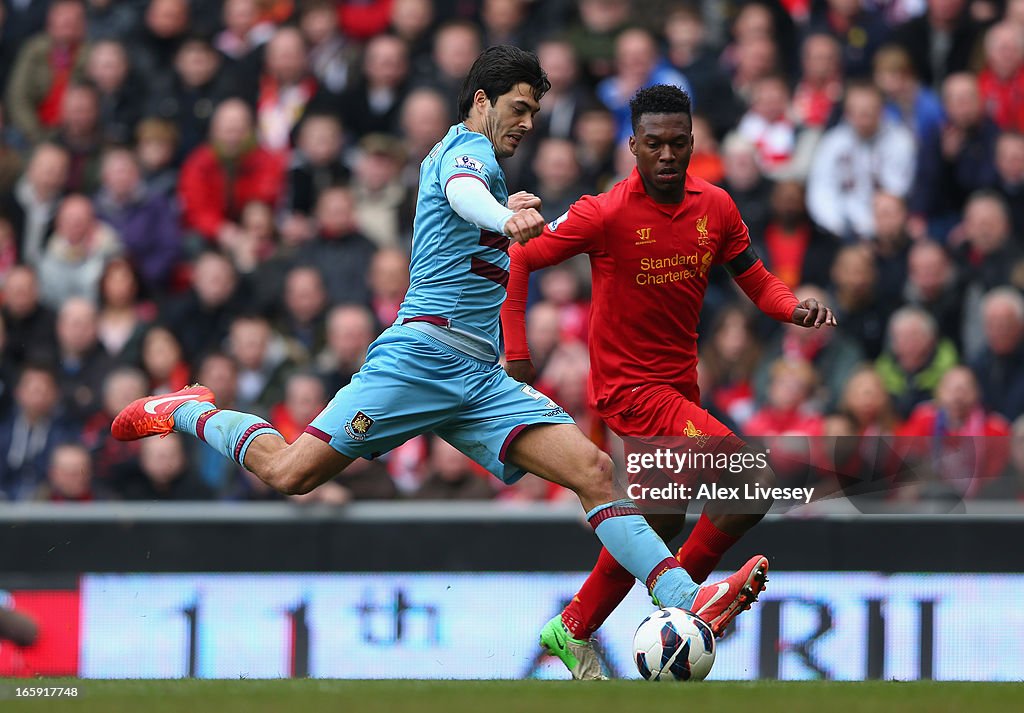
(151, 416)
(719, 603)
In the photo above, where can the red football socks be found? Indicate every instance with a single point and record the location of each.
(609, 582)
(703, 549)
(605, 588)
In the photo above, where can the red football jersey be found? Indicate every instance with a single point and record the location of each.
(650, 264)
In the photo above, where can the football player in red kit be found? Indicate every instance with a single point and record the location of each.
(652, 239)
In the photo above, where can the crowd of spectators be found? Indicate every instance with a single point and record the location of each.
(222, 191)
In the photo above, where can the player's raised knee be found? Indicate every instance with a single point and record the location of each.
(597, 475)
(764, 476)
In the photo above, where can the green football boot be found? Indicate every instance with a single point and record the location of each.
(578, 656)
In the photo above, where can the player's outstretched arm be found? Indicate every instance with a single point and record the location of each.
(470, 199)
(580, 230)
(773, 297)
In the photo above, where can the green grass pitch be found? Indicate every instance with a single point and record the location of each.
(314, 696)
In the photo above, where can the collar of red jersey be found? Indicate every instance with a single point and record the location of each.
(636, 184)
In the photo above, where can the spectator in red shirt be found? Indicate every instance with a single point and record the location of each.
(767, 124)
(707, 160)
(789, 411)
(304, 398)
(163, 361)
(221, 176)
(45, 66)
(1011, 485)
(363, 19)
(795, 250)
(821, 81)
(560, 286)
(949, 426)
(285, 89)
(726, 367)
(1001, 83)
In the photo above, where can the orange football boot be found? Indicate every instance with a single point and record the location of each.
(718, 604)
(151, 416)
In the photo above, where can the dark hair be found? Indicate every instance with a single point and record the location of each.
(120, 261)
(659, 99)
(39, 363)
(497, 70)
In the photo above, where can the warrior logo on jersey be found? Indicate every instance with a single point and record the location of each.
(644, 236)
(702, 231)
(553, 225)
(465, 163)
(358, 426)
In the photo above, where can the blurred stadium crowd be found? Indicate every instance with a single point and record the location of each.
(223, 192)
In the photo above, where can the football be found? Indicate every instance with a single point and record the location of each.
(673, 645)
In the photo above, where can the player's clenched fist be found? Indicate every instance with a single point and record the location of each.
(524, 225)
(521, 370)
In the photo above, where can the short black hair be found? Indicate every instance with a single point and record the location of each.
(659, 99)
(497, 70)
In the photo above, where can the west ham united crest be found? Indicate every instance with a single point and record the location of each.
(358, 426)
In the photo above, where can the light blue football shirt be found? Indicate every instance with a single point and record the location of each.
(458, 271)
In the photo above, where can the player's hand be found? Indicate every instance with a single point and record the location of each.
(811, 313)
(522, 199)
(524, 225)
(521, 370)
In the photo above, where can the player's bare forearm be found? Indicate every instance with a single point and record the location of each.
(813, 314)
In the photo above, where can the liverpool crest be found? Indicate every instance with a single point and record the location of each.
(702, 231)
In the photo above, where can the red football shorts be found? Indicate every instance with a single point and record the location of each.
(664, 429)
